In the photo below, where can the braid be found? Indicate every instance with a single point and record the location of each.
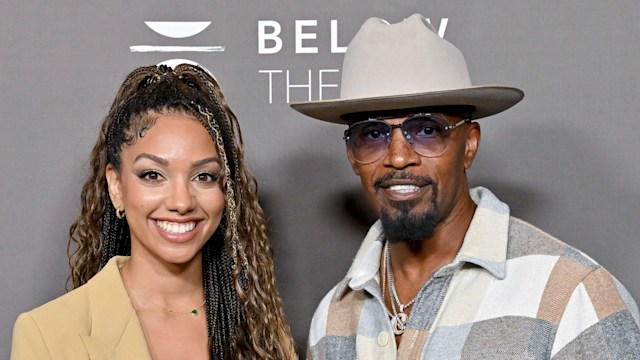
(115, 235)
(224, 313)
(245, 318)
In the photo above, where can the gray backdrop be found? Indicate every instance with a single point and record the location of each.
(565, 159)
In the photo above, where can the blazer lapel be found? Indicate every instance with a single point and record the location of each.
(116, 332)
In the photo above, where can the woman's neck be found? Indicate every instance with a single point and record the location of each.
(147, 277)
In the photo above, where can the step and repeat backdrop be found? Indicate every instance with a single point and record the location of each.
(565, 159)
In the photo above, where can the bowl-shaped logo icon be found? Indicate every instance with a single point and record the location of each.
(178, 29)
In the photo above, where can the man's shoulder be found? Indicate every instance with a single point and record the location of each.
(526, 239)
(531, 249)
(340, 298)
(318, 328)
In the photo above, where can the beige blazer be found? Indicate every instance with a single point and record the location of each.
(95, 321)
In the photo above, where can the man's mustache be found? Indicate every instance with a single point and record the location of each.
(384, 181)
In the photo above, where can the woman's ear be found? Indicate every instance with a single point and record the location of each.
(115, 187)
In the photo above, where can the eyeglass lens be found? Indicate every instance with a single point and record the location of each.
(426, 133)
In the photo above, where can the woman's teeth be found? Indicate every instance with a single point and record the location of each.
(176, 228)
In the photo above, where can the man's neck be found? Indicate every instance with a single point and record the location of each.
(413, 265)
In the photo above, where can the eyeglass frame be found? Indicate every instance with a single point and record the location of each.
(449, 128)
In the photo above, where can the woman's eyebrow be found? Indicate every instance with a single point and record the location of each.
(165, 162)
(213, 159)
(154, 158)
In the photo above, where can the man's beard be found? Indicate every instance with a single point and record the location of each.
(410, 227)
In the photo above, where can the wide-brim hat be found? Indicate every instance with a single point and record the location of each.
(402, 66)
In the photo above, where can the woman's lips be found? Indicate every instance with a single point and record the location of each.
(175, 227)
(178, 232)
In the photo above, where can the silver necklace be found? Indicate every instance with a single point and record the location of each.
(398, 318)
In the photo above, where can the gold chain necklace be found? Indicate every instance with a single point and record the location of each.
(193, 311)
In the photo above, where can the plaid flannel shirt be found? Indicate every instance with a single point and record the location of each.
(512, 292)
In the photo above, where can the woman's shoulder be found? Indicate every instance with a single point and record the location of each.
(76, 304)
(70, 311)
(40, 333)
(62, 320)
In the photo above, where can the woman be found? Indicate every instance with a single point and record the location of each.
(168, 187)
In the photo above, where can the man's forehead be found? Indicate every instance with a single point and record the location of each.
(451, 110)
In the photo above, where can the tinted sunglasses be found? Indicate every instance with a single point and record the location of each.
(427, 134)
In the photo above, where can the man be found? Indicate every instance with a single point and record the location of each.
(446, 273)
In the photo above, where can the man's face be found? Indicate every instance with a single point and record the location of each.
(413, 193)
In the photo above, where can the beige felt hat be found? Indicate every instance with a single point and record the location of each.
(406, 65)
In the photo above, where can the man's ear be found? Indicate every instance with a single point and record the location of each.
(472, 144)
(115, 187)
(354, 164)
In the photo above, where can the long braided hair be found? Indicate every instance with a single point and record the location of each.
(245, 317)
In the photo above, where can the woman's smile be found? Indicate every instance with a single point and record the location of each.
(170, 186)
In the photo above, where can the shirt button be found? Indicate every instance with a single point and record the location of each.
(383, 338)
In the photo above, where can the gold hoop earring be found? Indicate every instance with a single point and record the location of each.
(120, 214)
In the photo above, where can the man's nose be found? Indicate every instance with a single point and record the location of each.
(399, 153)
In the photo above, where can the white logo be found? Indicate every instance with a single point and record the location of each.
(177, 30)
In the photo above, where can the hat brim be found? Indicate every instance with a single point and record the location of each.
(486, 100)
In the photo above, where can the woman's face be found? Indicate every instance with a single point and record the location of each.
(170, 188)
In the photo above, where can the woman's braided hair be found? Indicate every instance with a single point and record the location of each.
(244, 312)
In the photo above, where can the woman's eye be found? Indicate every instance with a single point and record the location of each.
(151, 175)
(207, 177)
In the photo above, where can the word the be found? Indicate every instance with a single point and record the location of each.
(275, 77)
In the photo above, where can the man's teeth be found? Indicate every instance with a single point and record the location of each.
(404, 188)
(176, 228)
